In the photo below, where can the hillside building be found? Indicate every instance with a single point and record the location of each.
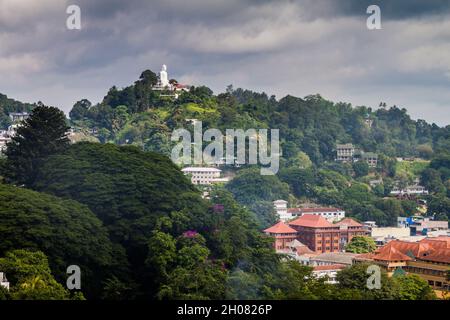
(18, 116)
(318, 234)
(345, 152)
(204, 175)
(330, 213)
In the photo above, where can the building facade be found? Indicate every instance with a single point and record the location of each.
(204, 175)
(282, 210)
(345, 152)
(330, 213)
(283, 235)
(320, 235)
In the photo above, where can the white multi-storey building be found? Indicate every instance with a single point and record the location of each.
(410, 191)
(331, 214)
(345, 152)
(281, 210)
(204, 175)
(18, 116)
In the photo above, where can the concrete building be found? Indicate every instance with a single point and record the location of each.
(299, 251)
(18, 116)
(422, 227)
(345, 152)
(329, 271)
(419, 225)
(415, 190)
(283, 235)
(282, 210)
(321, 236)
(381, 236)
(204, 175)
(332, 258)
(371, 159)
(329, 213)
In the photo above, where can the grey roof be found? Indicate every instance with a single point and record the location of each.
(335, 257)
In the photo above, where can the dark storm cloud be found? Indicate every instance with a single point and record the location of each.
(296, 47)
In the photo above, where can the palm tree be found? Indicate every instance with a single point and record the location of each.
(34, 283)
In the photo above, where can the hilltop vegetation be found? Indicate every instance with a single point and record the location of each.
(138, 228)
(7, 106)
(309, 127)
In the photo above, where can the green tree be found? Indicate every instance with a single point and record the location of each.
(42, 134)
(80, 110)
(361, 244)
(412, 287)
(355, 278)
(31, 277)
(361, 168)
(67, 231)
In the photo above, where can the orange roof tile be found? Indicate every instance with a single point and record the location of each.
(429, 249)
(438, 242)
(349, 222)
(438, 255)
(280, 227)
(312, 221)
(390, 253)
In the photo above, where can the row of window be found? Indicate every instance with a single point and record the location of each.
(328, 248)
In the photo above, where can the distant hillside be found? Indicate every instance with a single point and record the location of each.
(313, 125)
(8, 105)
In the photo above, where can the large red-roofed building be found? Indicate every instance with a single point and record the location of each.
(317, 233)
(428, 258)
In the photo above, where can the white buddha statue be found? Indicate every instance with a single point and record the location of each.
(163, 77)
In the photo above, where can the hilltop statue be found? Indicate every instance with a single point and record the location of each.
(163, 77)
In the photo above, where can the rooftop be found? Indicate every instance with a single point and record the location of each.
(280, 227)
(335, 257)
(312, 221)
(200, 169)
(430, 249)
(348, 222)
(321, 209)
(329, 267)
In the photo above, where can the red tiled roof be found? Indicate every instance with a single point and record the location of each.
(390, 253)
(438, 242)
(429, 249)
(330, 267)
(349, 222)
(438, 255)
(417, 249)
(311, 220)
(280, 227)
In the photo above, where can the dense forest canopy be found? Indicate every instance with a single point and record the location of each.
(149, 232)
(310, 129)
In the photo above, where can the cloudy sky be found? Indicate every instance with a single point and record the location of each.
(280, 47)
